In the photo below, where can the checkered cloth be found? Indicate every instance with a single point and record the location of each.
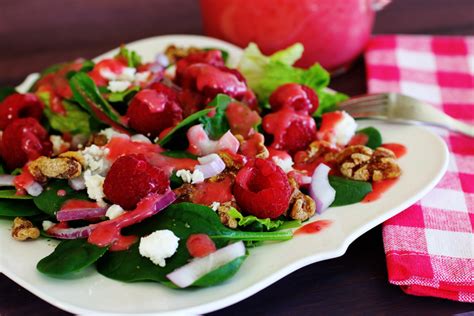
(430, 246)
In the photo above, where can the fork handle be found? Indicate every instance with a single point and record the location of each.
(460, 127)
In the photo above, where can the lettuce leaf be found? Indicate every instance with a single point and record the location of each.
(266, 73)
(75, 121)
(250, 219)
(132, 58)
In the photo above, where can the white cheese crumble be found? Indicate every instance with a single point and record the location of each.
(118, 86)
(158, 246)
(140, 138)
(114, 211)
(59, 145)
(47, 225)
(95, 158)
(285, 164)
(190, 177)
(345, 129)
(95, 187)
(142, 76)
(215, 206)
(111, 133)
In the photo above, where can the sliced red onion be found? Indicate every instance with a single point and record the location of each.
(320, 189)
(6, 180)
(162, 60)
(77, 183)
(210, 165)
(229, 142)
(70, 233)
(80, 213)
(202, 145)
(34, 189)
(193, 271)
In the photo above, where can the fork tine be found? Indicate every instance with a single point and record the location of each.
(373, 106)
(365, 98)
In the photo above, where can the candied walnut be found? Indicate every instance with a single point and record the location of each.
(232, 161)
(184, 193)
(23, 229)
(43, 168)
(253, 146)
(317, 151)
(175, 53)
(76, 155)
(97, 139)
(222, 211)
(302, 206)
(364, 164)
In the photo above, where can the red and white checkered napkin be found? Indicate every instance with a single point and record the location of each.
(430, 246)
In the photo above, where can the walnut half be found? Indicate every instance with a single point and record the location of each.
(61, 167)
(364, 164)
(302, 206)
(23, 229)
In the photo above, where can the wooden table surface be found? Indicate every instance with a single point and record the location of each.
(37, 33)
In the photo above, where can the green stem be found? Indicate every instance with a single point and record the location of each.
(254, 236)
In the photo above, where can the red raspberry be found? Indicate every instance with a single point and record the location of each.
(291, 131)
(295, 96)
(171, 93)
(23, 140)
(18, 106)
(262, 189)
(131, 178)
(211, 57)
(150, 112)
(200, 245)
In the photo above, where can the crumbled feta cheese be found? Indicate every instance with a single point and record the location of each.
(114, 211)
(285, 164)
(59, 145)
(128, 74)
(215, 206)
(107, 74)
(95, 158)
(47, 225)
(345, 129)
(140, 138)
(142, 76)
(111, 133)
(95, 187)
(118, 86)
(158, 246)
(190, 177)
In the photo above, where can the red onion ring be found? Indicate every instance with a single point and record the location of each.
(320, 189)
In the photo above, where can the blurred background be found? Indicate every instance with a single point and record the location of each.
(35, 34)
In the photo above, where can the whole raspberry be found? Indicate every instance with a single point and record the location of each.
(295, 96)
(211, 57)
(262, 189)
(18, 106)
(291, 131)
(131, 178)
(150, 112)
(23, 140)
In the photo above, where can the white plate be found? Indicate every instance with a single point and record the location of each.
(423, 166)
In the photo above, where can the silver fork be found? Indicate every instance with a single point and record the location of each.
(400, 108)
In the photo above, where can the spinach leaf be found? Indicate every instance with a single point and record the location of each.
(183, 219)
(5, 92)
(88, 96)
(124, 95)
(178, 154)
(187, 122)
(224, 53)
(70, 256)
(220, 274)
(374, 137)
(217, 125)
(50, 202)
(132, 58)
(87, 65)
(11, 208)
(348, 191)
(11, 194)
(243, 221)
(74, 121)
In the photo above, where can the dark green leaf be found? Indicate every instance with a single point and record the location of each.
(14, 208)
(88, 96)
(74, 121)
(87, 66)
(183, 219)
(11, 194)
(2, 169)
(50, 202)
(217, 125)
(187, 122)
(123, 96)
(175, 181)
(52, 69)
(16, 171)
(348, 191)
(5, 92)
(178, 154)
(220, 274)
(132, 58)
(374, 136)
(70, 256)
